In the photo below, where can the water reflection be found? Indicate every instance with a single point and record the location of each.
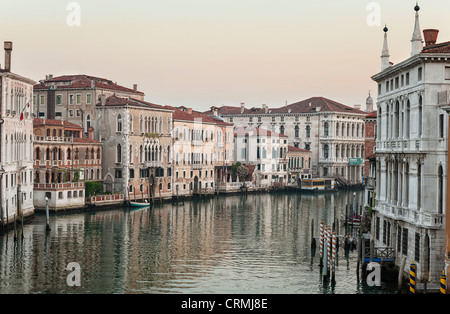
(237, 244)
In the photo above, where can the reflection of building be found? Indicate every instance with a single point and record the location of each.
(16, 136)
(412, 154)
(136, 137)
(299, 165)
(73, 97)
(333, 132)
(266, 150)
(64, 160)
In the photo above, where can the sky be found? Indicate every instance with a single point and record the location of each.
(203, 53)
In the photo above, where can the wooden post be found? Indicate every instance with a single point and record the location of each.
(47, 215)
(333, 262)
(15, 229)
(313, 241)
(400, 273)
(321, 242)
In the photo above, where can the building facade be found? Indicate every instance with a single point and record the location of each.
(267, 151)
(299, 165)
(63, 161)
(137, 147)
(333, 132)
(411, 154)
(16, 143)
(73, 98)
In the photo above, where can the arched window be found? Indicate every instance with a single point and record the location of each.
(282, 129)
(297, 131)
(38, 153)
(69, 155)
(420, 116)
(88, 122)
(325, 129)
(54, 133)
(119, 123)
(308, 131)
(141, 124)
(131, 123)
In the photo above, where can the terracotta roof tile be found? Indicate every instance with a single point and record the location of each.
(84, 82)
(438, 48)
(55, 122)
(296, 149)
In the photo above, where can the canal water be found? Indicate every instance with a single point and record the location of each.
(253, 244)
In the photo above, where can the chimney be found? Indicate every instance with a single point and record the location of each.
(8, 49)
(103, 100)
(242, 107)
(135, 88)
(189, 110)
(431, 36)
(91, 133)
(358, 107)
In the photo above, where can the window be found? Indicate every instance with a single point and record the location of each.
(326, 129)
(297, 131)
(70, 112)
(407, 79)
(42, 100)
(71, 99)
(417, 248)
(131, 173)
(419, 74)
(78, 99)
(405, 242)
(441, 126)
(59, 99)
(88, 99)
(118, 174)
(119, 123)
(119, 153)
(326, 151)
(308, 131)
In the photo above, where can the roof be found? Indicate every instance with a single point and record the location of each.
(437, 48)
(183, 115)
(243, 131)
(55, 122)
(310, 105)
(120, 101)
(372, 114)
(83, 81)
(297, 150)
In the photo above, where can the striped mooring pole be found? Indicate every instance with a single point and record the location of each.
(329, 247)
(412, 278)
(321, 238)
(333, 262)
(443, 285)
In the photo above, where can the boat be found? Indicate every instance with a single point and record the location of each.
(318, 185)
(139, 204)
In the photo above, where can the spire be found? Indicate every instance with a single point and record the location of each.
(417, 41)
(385, 63)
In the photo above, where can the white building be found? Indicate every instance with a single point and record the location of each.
(333, 132)
(16, 136)
(412, 154)
(264, 149)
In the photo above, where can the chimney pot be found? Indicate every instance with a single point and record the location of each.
(431, 36)
(135, 87)
(8, 48)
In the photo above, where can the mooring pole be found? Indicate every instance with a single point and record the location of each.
(47, 215)
(313, 241)
(321, 240)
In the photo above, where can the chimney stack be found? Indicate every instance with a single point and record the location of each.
(242, 107)
(8, 49)
(91, 133)
(431, 36)
(135, 88)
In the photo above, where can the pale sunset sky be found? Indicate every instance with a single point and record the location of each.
(203, 53)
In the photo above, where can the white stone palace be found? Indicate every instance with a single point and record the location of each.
(412, 153)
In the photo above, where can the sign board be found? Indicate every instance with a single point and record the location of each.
(355, 161)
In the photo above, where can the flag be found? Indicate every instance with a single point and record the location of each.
(26, 106)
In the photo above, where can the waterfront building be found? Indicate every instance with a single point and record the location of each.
(411, 153)
(73, 98)
(266, 150)
(137, 147)
(299, 165)
(370, 156)
(202, 152)
(63, 161)
(16, 142)
(333, 132)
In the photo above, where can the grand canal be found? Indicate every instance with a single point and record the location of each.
(235, 244)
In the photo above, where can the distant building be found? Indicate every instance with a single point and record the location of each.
(299, 165)
(370, 157)
(411, 154)
(266, 150)
(137, 147)
(333, 132)
(16, 142)
(73, 98)
(63, 161)
(202, 148)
